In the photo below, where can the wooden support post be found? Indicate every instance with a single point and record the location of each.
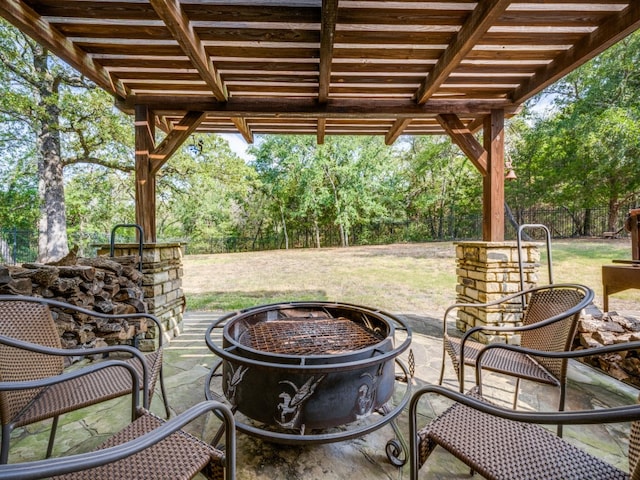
(493, 182)
(145, 180)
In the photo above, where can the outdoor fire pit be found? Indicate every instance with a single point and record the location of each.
(309, 372)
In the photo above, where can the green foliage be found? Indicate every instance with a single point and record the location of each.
(205, 191)
(584, 152)
(341, 183)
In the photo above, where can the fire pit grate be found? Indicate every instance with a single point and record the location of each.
(308, 336)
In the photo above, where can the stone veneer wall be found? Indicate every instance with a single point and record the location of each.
(161, 283)
(488, 271)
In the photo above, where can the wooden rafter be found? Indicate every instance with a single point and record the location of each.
(174, 139)
(178, 24)
(476, 26)
(282, 66)
(462, 137)
(322, 124)
(31, 23)
(396, 130)
(610, 32)
(327, 34)
(243, 128)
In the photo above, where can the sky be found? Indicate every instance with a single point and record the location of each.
(237, 144)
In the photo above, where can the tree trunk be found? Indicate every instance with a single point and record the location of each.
(586, 227)
(612, 218)
(284, 228)
(52, 225)
(344, 239)
(316, 231)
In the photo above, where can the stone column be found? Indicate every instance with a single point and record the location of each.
(162, 281)
(488, 271)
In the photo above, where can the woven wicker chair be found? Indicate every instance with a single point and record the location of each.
(505, 444)
(30, 349)
(549, 320)
(147, 449)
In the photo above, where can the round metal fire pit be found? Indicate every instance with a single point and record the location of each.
(298, 370)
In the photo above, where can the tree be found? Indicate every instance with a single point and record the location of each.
(205, 192)
(342, 183)
(57, 118)
(587, 152)
(439, 182)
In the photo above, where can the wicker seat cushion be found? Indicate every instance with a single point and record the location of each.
(498, 360)
(179, 456)
(85, 391)
(503, 449)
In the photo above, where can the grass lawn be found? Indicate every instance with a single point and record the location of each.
(401, 278)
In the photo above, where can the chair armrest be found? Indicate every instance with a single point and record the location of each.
(577, 417)
(134, 352)
(93, 313)
(49, 381)
(84, 461)
(587, 352)
(457, 306)
(500, 300)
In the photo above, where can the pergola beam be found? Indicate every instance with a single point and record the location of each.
(327, 34)
(32, 24)
(145, 180)
(396, 130)
(310, 108)
(462, 136)
(174, 139)
(243, 128)
(179, 25)
(480, 20)
(493, 182)
(322, 125)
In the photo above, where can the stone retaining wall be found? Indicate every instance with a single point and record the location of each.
(488, 271)
(161, 282)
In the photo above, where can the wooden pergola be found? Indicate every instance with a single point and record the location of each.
(324, 67)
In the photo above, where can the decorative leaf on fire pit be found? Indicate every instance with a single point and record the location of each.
(290, 407)
(234, 377)
(367, 394)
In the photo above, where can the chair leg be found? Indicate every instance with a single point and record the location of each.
(444, 358)
(563, 394)
(164, 394)
(515, 395)
(6, 440)
(52, 436)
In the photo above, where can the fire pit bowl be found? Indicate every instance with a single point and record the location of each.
(305, 367)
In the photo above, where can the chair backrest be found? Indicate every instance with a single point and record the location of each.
(30, 322)
(558, 336)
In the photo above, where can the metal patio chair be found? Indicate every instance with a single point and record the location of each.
(147, 449)
(30, 349)
(504, 444)
(549, 319)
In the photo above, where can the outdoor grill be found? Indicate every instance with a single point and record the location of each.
(299, 370)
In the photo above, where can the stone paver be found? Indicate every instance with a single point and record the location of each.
(188, 360)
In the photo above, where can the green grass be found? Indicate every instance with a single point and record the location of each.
(402, 278)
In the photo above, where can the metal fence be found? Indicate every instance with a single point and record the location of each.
(20, 246)
(561, 222)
